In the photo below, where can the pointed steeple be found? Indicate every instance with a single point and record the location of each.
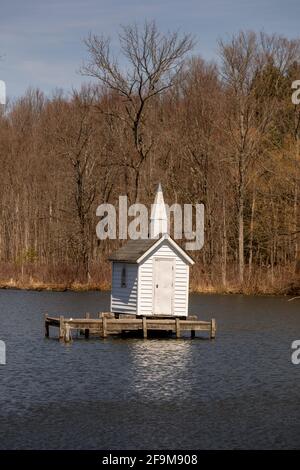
(159, 218)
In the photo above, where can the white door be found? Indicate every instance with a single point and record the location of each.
(163, 286)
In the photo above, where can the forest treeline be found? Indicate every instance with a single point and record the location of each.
(224, 134)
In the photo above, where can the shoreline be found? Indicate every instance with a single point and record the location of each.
(36, 286)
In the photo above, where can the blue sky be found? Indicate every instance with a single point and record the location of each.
(41, 41)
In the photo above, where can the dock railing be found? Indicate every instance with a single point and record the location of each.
(106, 325)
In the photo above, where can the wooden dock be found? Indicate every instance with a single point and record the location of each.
(107, 324)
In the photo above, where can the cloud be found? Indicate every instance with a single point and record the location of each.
(42, 41)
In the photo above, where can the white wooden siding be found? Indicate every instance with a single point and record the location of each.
(181, 287)
(124, 299)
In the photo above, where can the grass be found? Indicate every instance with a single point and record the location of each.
(282, 281)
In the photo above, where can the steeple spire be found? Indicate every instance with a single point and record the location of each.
(159, 218)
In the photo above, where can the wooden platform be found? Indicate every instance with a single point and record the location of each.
(107, 324)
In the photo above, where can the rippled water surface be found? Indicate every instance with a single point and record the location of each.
(239, 391)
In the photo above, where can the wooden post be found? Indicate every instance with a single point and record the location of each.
(46, 326)
(61, 327)
(87, 331)
(177, 327)
(192, 333)
(144, 327)
(67, 333)
(213, 328)
(104, 327)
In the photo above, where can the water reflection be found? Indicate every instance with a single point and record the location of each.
(160, 368)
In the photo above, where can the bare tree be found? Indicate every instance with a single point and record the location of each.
(252, 69)
(75, 145)
(152, 63)
(227, 136)
(239, 65)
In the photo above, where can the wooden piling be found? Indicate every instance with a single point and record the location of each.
(177, 324)
(61, 327)
(46, 326)
(213, 329)
(192, 333)
(67, 333)
(104, 327)
(144, 327)
(87, 331)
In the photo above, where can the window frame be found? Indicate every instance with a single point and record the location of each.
(124, 276)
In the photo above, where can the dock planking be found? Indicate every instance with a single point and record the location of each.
(107, 324)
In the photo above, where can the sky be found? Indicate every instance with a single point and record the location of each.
(41, 41)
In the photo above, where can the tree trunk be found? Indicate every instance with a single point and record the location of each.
(241, 218)
(251, 235)
(224, 248)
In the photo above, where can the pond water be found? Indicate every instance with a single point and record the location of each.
(239, 391)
